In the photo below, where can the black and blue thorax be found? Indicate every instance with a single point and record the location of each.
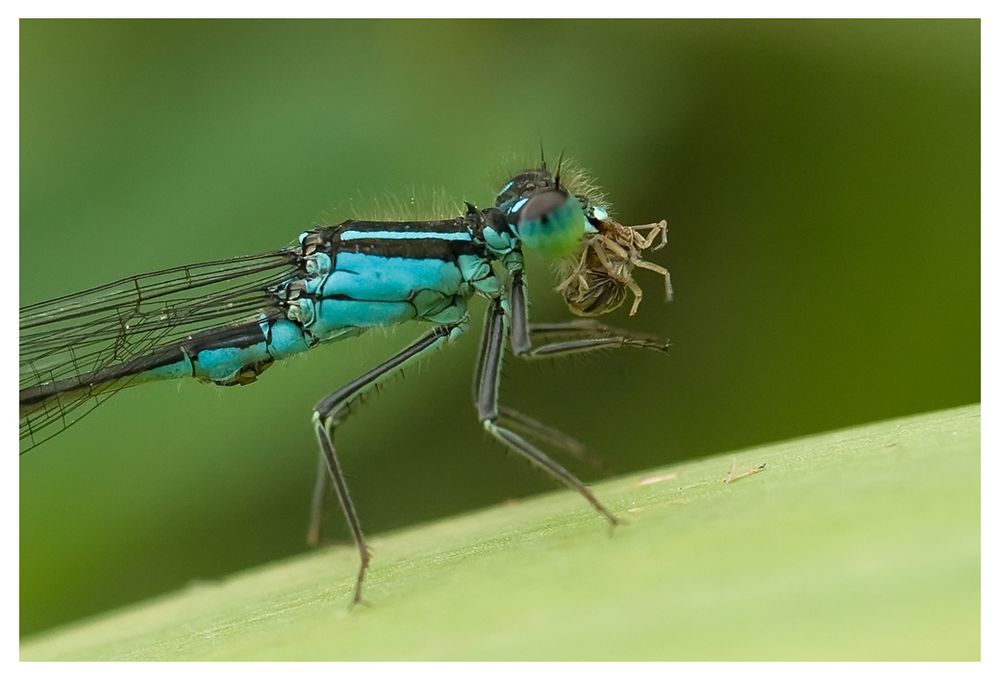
(360, 274)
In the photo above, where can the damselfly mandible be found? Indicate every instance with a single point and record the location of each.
(227, 321)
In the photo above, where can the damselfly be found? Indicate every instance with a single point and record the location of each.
(227, 321)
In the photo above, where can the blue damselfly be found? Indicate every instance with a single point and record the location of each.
(227, 321)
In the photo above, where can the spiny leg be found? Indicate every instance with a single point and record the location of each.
(515, 420)
(318, 501)
(590, 344)
(321, 486)
(332, 411)
(526, 424)
(489, 410)
(581, 327)
(593, 335)
(540, 340)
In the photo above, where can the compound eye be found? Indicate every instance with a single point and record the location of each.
(542, 206)
(551, 222)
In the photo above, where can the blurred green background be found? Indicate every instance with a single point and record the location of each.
(821, 179)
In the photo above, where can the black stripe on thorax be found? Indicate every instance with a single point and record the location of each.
(413, 249)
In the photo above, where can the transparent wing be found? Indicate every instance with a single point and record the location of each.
(85, 333)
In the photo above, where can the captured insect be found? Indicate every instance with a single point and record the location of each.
(597, 281)
(227, 321)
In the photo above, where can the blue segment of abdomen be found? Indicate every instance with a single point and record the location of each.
(215, 361)
(285, 338)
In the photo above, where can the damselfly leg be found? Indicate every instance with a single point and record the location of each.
(595, 336)
(332, 411)
(508, 417)
(489, 411)
(516, 420)
(529, 341)
(555, 338)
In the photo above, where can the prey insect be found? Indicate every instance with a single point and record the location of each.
(227, 321)
(597, 281)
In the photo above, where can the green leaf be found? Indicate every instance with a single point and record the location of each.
(860, 544)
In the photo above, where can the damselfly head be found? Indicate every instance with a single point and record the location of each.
(565, 214)
(545, 216)
(599, 278)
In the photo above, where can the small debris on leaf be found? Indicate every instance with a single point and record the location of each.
(732, 475)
